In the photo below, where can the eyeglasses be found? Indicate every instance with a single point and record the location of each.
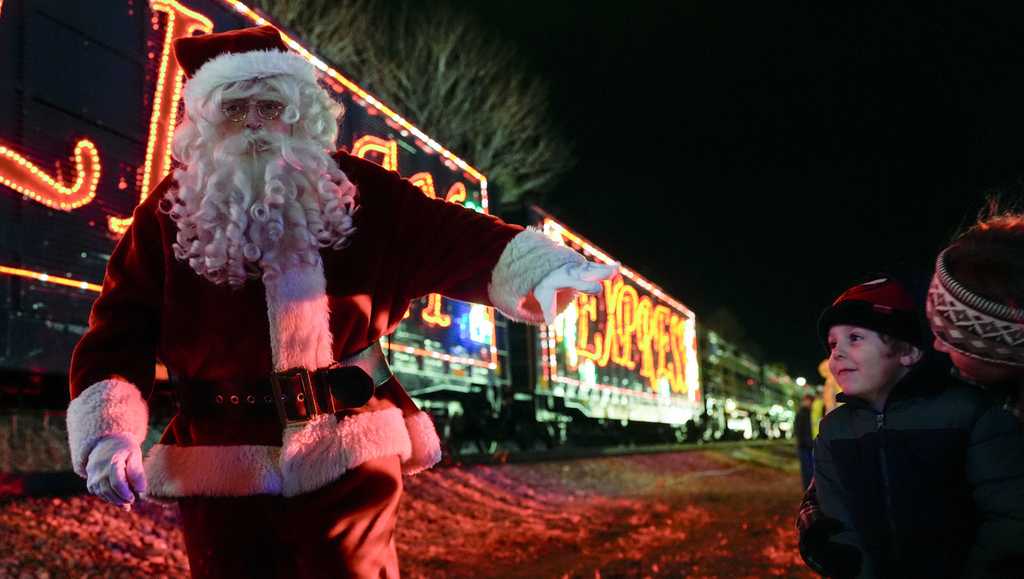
(236, 111)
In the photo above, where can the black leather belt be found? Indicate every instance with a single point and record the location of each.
(297, 394)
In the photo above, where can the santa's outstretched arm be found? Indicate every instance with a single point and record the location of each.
(437, 247)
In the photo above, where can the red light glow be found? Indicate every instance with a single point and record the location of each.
(26, 178)
(180, 22)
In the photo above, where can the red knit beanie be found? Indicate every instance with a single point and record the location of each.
(882, 305)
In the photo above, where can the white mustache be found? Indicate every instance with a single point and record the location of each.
(247, 141)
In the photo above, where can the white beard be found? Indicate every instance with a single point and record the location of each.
(258, 204)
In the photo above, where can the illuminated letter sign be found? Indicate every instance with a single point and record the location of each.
(630, 341)
(456, 193)
(24, 177)
(387, 148)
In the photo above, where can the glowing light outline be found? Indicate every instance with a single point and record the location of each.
(120, 225)
(425, 182)
(45, 277)
(158, 154)
(636, 277)
(85, 151)
(549, 362)
(433, 314)
(457, 193)
(374, 144)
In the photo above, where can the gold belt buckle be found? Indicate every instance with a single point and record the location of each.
(308, 399)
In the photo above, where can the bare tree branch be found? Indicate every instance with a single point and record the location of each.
(449, 77)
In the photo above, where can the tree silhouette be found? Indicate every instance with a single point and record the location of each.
(444, 73)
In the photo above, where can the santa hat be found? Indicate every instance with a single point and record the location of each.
(211, 60)
(882, 305)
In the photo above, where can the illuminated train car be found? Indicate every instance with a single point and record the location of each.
(743, 398)
(781, 393)
(620, 366)
(89, 98)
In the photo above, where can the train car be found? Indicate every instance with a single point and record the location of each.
(744, 399)
(778, 406)
(732, 381)
(617, 367)
(88, 102)
(89, 97)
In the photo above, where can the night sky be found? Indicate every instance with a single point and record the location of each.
(761, 157)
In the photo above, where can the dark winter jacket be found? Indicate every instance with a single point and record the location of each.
(933, 486)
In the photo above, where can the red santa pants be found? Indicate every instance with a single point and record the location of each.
(346, 529)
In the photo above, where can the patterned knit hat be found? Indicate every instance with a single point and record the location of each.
(882, 305)
(973, 324)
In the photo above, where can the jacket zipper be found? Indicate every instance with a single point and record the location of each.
(887, 490)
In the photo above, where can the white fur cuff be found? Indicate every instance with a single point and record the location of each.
(526, 260)
(314, 455)
(108, 407)
(214, 471)
(322, 450)
(426, 446)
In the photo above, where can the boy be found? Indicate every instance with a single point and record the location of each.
(912, 465)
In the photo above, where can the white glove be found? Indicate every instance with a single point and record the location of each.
(114, 471)
(584, 277)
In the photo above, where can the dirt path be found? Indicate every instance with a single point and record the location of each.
(688, 514)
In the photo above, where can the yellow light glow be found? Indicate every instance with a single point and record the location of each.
(425, 181)
(432, 313)
(662, 332)
(456, 193)
(45, 277)
(370, 144)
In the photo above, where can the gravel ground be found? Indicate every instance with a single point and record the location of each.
(706, 513)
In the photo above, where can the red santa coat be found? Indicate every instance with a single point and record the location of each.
(155, 307)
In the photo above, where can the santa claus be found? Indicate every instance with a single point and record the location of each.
(262, 274)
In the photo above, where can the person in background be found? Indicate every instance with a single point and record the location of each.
(827, 395)
(913, 471)
(803, 427)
